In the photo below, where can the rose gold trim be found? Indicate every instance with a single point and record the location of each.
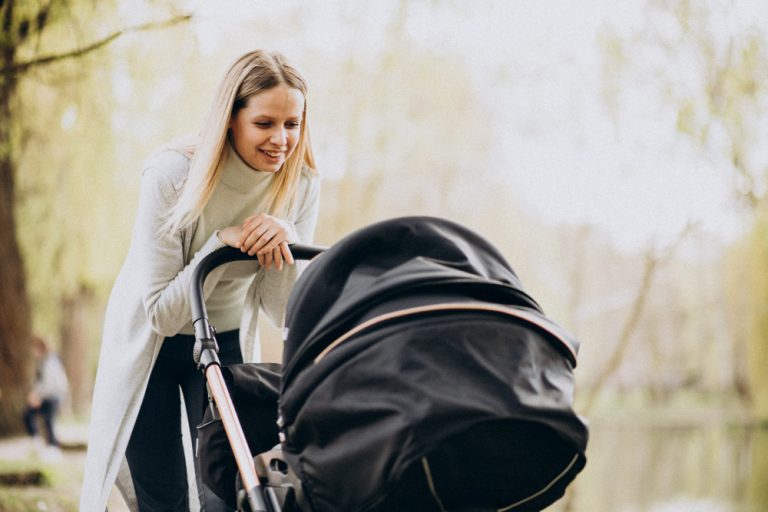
(459, 306)
(544, 489)
(234, 431)
(431, 483)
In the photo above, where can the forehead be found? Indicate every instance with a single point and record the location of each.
(281, 100)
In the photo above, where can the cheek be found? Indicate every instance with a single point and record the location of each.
(293, 141)
(239, 136)
(249, 138)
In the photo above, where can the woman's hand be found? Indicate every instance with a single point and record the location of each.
(266, 237)
(230, 236)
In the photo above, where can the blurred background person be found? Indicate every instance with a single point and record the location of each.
(48, 393)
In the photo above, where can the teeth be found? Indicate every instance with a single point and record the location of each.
(270, 154)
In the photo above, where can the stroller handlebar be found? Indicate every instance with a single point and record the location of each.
(220, 257)
(205, 356)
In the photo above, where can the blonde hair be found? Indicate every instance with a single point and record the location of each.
(251, 74)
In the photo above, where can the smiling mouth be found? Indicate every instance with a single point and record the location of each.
(272, 154)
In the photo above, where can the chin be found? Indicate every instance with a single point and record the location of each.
(266, 166)
(273, 168)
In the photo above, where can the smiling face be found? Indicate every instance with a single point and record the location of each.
(266, 130)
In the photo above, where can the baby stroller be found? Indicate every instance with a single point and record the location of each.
(417, 375)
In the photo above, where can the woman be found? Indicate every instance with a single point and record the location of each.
(248, 183)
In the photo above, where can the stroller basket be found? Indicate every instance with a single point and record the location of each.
(419, 375)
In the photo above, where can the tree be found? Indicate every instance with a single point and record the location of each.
(653, 259)
(714, 77)
(748, 307)
(14, 308)
(708, 63)
(25, 26)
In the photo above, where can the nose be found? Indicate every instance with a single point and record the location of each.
(279, 137)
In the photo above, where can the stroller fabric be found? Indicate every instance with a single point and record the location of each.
(419, 375)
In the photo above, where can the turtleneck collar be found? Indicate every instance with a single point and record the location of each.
(239, 175)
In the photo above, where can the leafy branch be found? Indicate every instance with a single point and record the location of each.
(19, 67)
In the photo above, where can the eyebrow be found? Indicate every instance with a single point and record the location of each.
(272, 118)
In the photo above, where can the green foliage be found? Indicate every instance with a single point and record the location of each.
(708, 63)
(757, 490)
(756, 261)
(80, 157)
(62, 175)
(747, 303)
(711, 69)
(58, 491)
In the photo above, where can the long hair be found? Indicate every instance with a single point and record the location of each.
(251, 74)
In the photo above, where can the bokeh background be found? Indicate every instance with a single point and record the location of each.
(615, 152)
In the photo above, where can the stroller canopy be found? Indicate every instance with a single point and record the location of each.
(416, 367)
(377, 263)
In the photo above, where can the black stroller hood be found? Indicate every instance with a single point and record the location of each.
(419, 375)
(385, 260)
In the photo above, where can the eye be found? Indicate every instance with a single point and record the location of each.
(262, 124)
(292, 124)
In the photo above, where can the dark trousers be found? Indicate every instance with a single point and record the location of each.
(47, 411)
(155, 452)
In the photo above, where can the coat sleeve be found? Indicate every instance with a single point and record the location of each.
(166, 277)
(273, 288)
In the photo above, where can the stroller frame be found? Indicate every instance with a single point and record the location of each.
(259, 498)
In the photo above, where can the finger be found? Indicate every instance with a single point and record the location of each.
(277, 257)
(286, 253)
(257, 240)
(272, 245)
(260, 258)
(250, 236)
(264, 241)
(268, 260)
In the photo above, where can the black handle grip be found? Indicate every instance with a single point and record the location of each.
(220, 257)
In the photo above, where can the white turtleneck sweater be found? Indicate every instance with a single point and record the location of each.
(241, 192)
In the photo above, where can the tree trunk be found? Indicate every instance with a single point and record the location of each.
(75, 335)
(15, 357)
(15, 371)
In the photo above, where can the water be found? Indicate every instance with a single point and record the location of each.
(693, 469)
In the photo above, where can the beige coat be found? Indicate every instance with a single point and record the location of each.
(150, 301)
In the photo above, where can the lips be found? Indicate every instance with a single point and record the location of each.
(274, 155)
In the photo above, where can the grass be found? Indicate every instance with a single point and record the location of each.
(32, 484)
